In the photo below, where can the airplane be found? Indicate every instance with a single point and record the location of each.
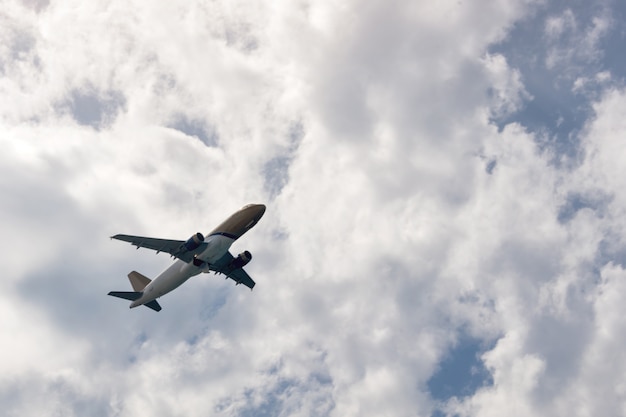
(194, 256)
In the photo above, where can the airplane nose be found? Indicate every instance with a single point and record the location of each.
(259, 210)
(254, 210)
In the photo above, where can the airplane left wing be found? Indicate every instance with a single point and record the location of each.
(237, 274)
(176, 248)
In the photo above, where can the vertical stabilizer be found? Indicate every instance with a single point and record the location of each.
(138, 281)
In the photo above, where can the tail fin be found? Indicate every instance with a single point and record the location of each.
(138, 281)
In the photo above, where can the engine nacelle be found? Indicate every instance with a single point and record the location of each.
(194, 242)
(241, 260)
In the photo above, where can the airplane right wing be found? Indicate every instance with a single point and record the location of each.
(237, 274)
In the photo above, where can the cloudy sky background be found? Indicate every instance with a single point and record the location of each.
(445, 222)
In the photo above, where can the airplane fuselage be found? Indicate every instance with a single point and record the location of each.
(218, 243)
(179, 272)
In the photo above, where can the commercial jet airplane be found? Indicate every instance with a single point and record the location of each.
(197, 254)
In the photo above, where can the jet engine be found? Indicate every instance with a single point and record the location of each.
(194, 242)
(241, 260)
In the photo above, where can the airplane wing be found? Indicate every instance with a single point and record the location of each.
(175, 248)
(236, 274)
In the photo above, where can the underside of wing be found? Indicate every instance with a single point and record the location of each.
(180, 249)
(229, 268)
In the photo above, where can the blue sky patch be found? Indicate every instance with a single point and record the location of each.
(196, 128)
(560, 51)
(95, 109)
(461, 372)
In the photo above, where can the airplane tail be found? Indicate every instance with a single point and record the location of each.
(126, 295)
(139, 282)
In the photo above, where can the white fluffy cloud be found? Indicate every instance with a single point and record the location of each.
(399, 219)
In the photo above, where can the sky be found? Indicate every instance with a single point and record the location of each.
(445, 222)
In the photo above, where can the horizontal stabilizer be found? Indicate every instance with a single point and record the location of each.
(127, 295)
(153, 305)
(134, 295)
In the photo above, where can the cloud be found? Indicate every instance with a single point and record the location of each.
(410, 217)
(543, 361)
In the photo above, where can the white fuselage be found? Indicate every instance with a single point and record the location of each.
(180, 271)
